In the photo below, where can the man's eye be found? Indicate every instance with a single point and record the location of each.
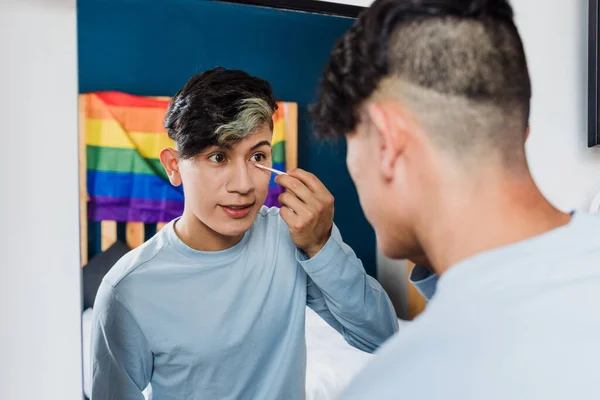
(258, 157)
(217, 158)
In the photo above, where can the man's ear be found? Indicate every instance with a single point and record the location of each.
(389, 125)
(170, 161)
(527, 133)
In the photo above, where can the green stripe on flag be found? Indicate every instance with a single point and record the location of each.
(278, 153)
(122, 160)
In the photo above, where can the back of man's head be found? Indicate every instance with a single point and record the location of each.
(457, 65)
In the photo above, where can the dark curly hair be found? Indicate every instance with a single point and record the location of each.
(216, 108)
(469, 49)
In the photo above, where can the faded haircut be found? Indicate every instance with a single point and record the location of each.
(218, 108)
(458, 65)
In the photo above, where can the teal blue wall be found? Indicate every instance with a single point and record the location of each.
(152, 47)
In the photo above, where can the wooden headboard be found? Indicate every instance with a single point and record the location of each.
(98, 236)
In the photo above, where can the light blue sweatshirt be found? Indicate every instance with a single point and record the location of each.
(228, 324)
(517, 322)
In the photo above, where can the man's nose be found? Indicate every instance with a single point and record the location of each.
(241, 179)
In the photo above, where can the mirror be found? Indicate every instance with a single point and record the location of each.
(133, 58)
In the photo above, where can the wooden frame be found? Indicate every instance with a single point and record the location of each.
(136, 233)
(314, 6)
(291, 135)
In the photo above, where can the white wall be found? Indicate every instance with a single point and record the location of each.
(568, 173)
(555, 38)
(40, 350)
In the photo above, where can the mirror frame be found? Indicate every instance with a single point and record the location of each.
(314, 6)
(593, 129)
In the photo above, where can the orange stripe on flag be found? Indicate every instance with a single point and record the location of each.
(140, 119)
(131, 118)
(280, 113)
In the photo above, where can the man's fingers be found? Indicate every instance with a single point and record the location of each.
(288, 216)
(315, 196)
(314, 184)
(310, 180)
(289, 200)
(299, 189)
(297, 221)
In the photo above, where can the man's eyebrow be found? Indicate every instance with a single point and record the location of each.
(260, 144)
(217, 147)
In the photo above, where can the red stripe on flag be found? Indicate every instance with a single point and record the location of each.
(128, 100)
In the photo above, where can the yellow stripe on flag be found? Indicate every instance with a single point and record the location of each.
(107, 133)
(278, 131)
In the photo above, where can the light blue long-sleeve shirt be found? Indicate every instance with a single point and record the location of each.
(227, 324)
(517, 322)
(424, 280)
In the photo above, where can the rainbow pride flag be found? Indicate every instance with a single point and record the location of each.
(124, 135)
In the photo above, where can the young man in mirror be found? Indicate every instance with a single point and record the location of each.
(213, 306)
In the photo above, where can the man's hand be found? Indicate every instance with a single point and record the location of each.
(421, 260)
(307, 209)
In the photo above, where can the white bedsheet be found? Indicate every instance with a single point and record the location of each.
(331, 362)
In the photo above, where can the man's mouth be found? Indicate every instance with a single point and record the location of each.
(238, 211)
(238, 207)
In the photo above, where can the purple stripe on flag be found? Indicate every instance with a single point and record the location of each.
(127, 209)
(149, 211)
(272, 196)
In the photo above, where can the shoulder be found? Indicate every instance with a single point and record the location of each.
(133, 260)
(386, 375)
(402, 365)
(110, 298)
(585, 224)
(575, 242)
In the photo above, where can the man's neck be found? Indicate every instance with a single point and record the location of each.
(477, 217)
(196, 235)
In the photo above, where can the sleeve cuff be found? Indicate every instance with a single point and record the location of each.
(424, 281)
(322, 259)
